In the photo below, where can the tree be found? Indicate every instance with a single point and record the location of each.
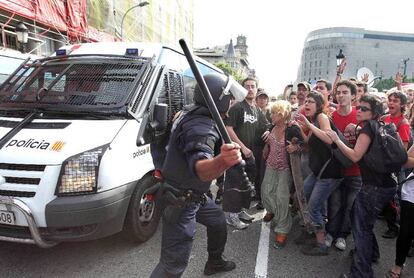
(228, 69)
(386, 84)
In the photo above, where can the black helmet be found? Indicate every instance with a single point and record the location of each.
(222, 89)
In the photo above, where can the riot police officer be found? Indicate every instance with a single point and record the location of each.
(195, 157)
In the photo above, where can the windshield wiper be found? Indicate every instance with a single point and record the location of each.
(52, 83)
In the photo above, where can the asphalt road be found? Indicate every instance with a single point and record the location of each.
(117, 257)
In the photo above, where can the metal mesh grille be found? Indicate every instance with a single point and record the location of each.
(141, 92)
(91, 84)
(173, 88)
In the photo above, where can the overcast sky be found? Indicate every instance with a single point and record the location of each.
(276, 30)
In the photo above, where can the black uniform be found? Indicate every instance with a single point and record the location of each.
(195, 137)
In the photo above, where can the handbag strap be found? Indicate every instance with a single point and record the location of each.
(323, 168)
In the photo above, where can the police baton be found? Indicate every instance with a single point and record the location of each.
(213, 109)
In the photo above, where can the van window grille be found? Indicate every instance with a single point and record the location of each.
(141, 92)
(172, 93)
(78, 84)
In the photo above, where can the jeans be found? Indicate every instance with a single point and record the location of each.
(317, 192)
(368, 204)
(340, 205)
(406, 232)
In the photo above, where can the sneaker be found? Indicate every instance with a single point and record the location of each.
(245, 216)
(328, 240)
(216, 266)
(233, 220)
(268, 217)
(390, 233)
(280, 241)
(340, 243)
(304, 238)
(315, 250)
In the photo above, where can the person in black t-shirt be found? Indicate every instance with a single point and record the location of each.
(377, 190)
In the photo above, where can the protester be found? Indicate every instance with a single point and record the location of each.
(376, 191)
(246, 125)
(302, 90)
(362, 89)
(278, 177)
(293, 100)
(406, 235)
(342, 198)
(325, 88)
(326, 171)
(396, 106)
(262, 101)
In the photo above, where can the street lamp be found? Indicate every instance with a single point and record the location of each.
(142, 4)
(339, 58)
(22, 33)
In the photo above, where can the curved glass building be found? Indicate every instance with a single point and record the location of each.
(384, 53)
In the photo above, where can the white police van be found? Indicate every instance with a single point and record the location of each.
(76, 131)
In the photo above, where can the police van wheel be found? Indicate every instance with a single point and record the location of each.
(143, 213)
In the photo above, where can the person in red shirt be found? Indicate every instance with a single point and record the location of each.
(397, 102)
(341, 200)
(396, 107)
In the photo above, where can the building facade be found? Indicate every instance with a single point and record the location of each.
(52, 24)
(234, 55)
(384, 53)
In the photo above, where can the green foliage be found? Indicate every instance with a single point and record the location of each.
(228, 69)
(386, 84)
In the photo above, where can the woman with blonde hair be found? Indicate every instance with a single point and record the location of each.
(278, 177)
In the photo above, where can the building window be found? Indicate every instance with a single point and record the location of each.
(329, 54)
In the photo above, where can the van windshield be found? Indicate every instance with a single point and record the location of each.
(74, 84)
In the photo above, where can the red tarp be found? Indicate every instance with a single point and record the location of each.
(65, 16)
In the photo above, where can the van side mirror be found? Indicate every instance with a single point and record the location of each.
(160, 117)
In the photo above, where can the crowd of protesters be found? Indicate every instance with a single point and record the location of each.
(338, 201)
(295, 151)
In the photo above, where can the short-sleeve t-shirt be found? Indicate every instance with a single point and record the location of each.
(248, 123)
(402, 124)
(341, 122)
(368, 175)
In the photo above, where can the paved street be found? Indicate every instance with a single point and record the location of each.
(116, 257)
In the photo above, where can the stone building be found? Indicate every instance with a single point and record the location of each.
(384, 53)
(234, 55)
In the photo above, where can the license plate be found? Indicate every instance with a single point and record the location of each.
(6, 217)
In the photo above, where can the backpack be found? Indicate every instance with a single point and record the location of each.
(386, 153)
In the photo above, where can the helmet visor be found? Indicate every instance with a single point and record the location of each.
(235, 89)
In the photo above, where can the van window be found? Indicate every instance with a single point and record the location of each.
(7, 66)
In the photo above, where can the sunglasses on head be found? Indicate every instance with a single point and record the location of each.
(363, 108)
